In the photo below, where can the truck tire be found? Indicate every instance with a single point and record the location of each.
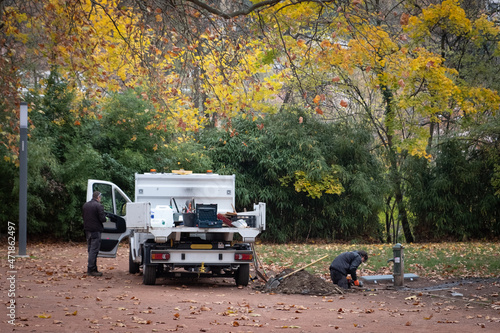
(132, 266)
(149, 274)
(242, 275)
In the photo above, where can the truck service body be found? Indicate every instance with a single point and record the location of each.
(162, 243)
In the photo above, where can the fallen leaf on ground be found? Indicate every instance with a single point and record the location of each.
(44, 316)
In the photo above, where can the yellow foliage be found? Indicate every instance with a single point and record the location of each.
(234, 88)
(329, 184)
(480, 100)
(484, 29)
(12, 17)
(108, 44)
(448, 15)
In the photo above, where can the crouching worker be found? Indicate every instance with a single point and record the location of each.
(347, 263)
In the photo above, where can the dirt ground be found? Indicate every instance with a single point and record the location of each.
(53, 294)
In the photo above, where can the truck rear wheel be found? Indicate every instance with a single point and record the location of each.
(149, 274)
(242, 275)
(132, 266)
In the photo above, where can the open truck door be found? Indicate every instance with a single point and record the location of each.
(115, 202)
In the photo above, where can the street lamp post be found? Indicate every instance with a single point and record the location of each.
(23, 178)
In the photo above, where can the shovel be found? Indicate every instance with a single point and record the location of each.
(257, 263)
(273, 283)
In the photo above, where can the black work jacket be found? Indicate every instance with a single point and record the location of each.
(347, 263)
(93, 216)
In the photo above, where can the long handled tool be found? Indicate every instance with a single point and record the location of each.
(273, 283)
(258, 265)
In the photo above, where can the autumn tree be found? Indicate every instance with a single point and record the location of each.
(391, 65)
(466, 35)
(12, 59)
(364, 58)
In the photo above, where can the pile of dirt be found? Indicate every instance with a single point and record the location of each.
(303, 283)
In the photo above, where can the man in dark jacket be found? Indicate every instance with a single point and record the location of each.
(347, 263)
(93, 218)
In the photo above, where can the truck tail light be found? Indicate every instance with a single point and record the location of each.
(243, 256)
(160, 256)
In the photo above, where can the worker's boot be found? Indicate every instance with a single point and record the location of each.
(94, 273)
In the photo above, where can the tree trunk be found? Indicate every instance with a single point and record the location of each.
(431, 134)
(393, 165)
(388, 219)
(403, 215)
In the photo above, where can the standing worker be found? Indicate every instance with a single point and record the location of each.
(347, 263)
(93, 218)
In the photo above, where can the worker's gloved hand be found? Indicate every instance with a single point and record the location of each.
(356, 283)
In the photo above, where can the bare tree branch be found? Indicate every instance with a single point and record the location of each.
(250, 9)
(246, 11)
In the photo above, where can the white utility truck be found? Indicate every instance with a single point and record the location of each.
(175, 227)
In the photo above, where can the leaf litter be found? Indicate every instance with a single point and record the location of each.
(121, 305)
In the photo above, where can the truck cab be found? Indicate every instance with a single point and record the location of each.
(180, 225)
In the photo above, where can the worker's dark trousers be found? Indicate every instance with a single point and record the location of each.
(339, 279)
(93, 246)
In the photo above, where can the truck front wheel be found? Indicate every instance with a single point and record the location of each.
(242, 275)
(149, 274)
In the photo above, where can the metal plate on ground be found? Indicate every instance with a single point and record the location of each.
(385, 278)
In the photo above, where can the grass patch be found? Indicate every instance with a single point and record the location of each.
(431, 260)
